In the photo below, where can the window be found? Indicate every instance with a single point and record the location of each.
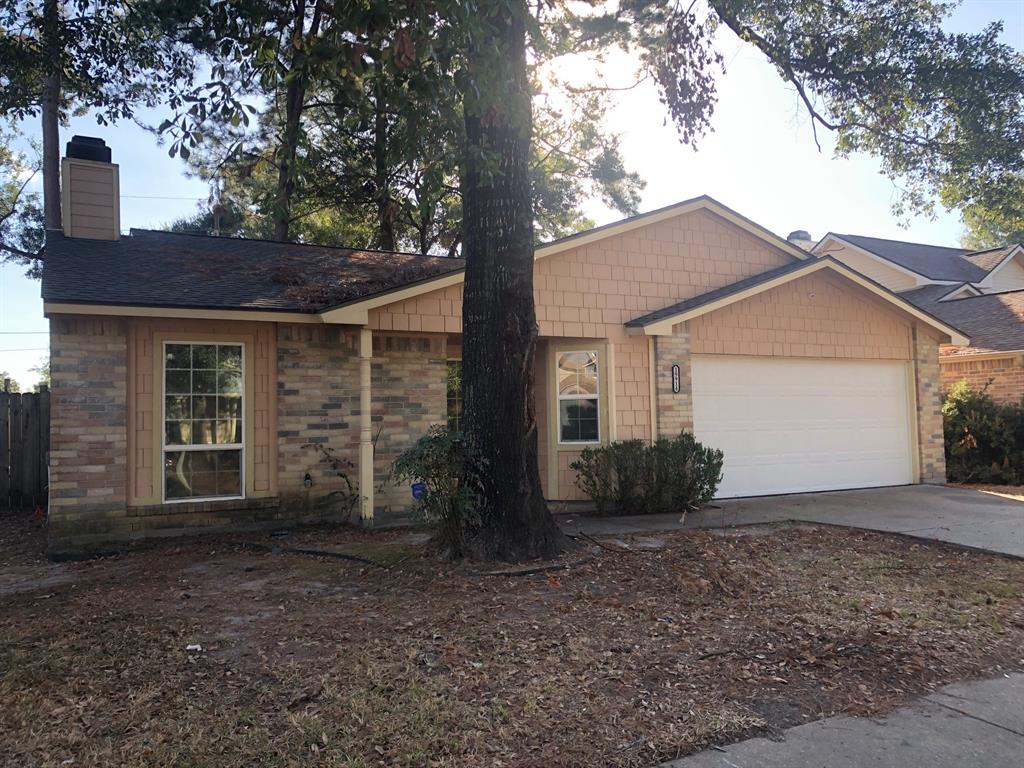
(454, 394)
(202, 423)
(578, 406)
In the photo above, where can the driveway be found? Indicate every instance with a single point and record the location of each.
(968, 725)
(955, 515)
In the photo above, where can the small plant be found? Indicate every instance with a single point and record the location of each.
(984, 440)
(673, 475)
(345, 501)
(442, 464)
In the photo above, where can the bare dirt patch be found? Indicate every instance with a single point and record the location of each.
(633, 657)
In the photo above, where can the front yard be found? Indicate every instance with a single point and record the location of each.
(627, 659)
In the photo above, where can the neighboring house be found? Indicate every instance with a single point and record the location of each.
(979, 292)
(212, 383)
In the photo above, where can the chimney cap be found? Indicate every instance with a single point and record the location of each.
(88, 148)
(798, 234)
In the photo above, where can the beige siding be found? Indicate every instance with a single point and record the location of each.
(1009, 278)
(90, 201)
(814, 316)
(892, 278)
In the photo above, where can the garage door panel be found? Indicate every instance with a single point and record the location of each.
(788, 425)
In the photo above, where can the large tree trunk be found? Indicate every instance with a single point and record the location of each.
(498, 316)
(50, 108)
(294, 103)
(386, 208)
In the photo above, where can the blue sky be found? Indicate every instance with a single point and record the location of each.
(760, 160)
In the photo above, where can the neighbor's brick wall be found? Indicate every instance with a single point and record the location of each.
(931, 449)
(1003, 376)
(815, 316)
(675, 409)
(318, 405)
(88, 427)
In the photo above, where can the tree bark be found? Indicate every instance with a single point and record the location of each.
(386, 208)
(499, 319)
(50, 109)
(294, 103)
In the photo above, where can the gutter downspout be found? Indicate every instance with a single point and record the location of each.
(365, 427)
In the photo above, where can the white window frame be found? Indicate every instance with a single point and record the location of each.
(164, 447)
(559, 397)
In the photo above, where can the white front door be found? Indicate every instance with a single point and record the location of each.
(788, 425)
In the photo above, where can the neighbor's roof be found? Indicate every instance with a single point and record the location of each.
(932, 261)
(164, 269)
(994, 321)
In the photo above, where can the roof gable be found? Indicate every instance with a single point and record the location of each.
(661, 322)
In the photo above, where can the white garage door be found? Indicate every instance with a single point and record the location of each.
(789, 424)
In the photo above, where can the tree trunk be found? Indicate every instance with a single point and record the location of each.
(499, 320)
(294, 103)
(386, 208)
(50, 108)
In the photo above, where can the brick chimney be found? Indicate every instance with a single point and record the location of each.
(90, 190)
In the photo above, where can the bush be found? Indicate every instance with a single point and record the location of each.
(984, 440)
(632, 477)
(447, 503)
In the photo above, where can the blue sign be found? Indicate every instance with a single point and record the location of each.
(419, 490)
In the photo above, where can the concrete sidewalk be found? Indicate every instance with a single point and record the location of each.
(967, 725)
(954, 515)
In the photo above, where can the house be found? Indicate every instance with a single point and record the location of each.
(213, 383)
(980, 292)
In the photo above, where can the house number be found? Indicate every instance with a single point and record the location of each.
(675, 379)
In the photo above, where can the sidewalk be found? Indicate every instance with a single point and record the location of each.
(935, 513)
(966, 725)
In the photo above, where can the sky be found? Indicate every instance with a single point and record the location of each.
(761, 160)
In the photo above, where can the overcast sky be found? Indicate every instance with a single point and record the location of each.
(761, 160)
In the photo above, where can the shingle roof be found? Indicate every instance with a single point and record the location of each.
(932, 261)
(164, 269)
(994, 321)
(720, 293)
(990, 259)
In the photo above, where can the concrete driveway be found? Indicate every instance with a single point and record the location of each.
(959, 516)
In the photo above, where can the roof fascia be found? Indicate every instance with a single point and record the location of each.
(122, 310)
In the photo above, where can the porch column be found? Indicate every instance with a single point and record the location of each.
(365, 427)
(674, 400)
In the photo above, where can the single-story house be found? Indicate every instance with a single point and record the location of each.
(212, 383)
(980, 292)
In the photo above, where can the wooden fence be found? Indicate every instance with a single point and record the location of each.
(24, 449)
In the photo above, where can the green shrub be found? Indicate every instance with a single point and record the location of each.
(984, 440)
(631, 477)
(449, 502)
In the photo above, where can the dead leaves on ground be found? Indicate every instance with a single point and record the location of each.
(628, 658)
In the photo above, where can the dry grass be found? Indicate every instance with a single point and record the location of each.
(629, 659)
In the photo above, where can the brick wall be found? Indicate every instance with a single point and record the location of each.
(317, 417)
(1002, 377)
(675, 409)
(931, 450)
(318, 411)
(409, 394)
(88, 427)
